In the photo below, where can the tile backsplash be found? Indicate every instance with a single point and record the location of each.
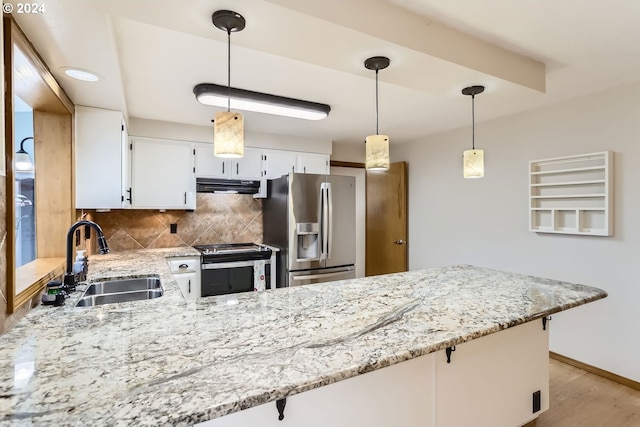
(218, 218)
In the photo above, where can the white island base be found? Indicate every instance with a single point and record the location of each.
(491, 381)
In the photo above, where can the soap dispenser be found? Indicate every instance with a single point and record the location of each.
(80, 266)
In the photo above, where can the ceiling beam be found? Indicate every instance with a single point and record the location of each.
(394, 24)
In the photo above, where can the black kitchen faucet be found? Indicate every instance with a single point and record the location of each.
(69, 276)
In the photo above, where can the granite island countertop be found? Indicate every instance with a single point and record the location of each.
(167, 361)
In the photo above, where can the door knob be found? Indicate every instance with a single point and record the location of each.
(399, 242)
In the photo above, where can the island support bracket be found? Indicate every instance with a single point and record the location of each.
(545, 319)
(448, 351)
(280, 404)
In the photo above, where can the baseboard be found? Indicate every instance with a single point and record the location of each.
(597, 371)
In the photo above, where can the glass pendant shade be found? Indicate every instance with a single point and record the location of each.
(473, 163)
(23, 162)
(377, 152)
(228, 134)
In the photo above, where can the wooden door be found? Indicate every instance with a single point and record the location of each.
(387, 220)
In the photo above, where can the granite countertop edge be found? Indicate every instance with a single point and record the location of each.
(139, 263)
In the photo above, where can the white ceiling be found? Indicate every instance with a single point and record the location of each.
(151, 53)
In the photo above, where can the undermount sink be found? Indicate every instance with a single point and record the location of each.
(122, 290)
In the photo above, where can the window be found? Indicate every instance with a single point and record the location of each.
(38, 150)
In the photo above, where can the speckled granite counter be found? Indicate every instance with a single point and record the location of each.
(169, 362)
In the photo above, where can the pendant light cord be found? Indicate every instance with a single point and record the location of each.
(229, 69)
(377, 132)
(473, 122)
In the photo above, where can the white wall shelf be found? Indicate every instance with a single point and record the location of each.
(572, 194)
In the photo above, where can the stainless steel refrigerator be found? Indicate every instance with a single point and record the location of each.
(311, 219)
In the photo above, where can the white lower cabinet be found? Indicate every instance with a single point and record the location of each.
(162, 174)
(186, 272)
(490, 382)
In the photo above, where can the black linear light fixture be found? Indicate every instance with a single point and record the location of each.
(247, 100)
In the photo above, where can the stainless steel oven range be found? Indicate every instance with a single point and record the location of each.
(236, 267)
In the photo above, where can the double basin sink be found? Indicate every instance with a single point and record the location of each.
(121, 290)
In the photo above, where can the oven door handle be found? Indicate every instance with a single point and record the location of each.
(231, 264)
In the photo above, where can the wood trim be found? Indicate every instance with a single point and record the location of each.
(59, 100)
(10, 175)
(53, 133)
(597, 371)
(37, 273)
(340, 164)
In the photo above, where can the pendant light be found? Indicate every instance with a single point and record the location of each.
(377, 146)
(228, 127)
(22, 160)
(473, 160)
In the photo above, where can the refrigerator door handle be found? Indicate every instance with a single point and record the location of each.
(329, 219)
(324, 221)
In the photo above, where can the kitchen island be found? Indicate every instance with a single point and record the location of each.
(167, 361)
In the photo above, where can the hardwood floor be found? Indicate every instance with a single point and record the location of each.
(581, 399)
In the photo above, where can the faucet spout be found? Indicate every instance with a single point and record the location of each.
(69, 277)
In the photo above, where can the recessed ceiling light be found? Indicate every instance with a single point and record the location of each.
(80, 74)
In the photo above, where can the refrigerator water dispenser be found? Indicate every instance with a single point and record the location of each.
(308, 236)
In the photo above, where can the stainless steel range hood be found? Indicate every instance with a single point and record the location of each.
(227, 186)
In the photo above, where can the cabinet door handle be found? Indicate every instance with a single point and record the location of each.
(237, 169)
(293, 168)
(129, 198)
(189, 285)
(222, 168)
(304, 169)
(185, 197)
(399, 242)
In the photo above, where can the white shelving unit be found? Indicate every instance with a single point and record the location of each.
(572, 194)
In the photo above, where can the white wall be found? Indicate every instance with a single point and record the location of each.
(485, 222)
(169, 130)
(348, 152)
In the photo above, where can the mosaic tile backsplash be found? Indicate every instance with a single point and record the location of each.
(218, 218)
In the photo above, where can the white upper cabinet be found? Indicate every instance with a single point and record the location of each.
(162, 174)
(249, 166)
(281, 162)
(101, 156)
(210, 166)
(278, 163)
(312, 163)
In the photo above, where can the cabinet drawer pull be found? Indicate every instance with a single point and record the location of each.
(222, 168)
(189, 285)
(183, 266)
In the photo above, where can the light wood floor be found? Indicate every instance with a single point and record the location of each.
(581, 399)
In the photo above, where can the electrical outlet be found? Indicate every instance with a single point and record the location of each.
(536, 401)
(77, 237)
(173, 228)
